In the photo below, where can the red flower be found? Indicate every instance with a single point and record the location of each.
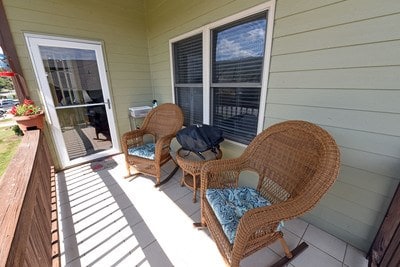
(28, 102)
(27, 108)
(13, 110)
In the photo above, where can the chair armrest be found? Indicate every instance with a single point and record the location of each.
(221, 173)
(132, 139)
(163, 146)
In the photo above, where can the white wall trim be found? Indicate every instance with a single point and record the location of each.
(186, 35)
(61, 38)
(206, 76)
(171, 66)
(266, 67)
(171, 55)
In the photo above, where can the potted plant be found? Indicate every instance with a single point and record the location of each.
(28, 116)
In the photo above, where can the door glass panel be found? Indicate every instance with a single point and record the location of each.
(74, 81)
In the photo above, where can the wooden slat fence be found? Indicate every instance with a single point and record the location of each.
(28, 235)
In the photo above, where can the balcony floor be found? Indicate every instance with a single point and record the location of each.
(107, 220)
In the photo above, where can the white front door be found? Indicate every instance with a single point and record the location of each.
(73, 81)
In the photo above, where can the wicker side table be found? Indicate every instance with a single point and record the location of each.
(191, 165)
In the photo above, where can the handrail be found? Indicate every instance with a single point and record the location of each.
(26, 227)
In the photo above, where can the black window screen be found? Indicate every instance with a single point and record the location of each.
(237, 67)
(190, 99)
(188, 78)
(235, 111)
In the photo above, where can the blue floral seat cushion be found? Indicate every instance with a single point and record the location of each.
(144, 151)
(230, 204)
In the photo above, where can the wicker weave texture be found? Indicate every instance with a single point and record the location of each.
(161, 124)
(296, 161)
(191, 164)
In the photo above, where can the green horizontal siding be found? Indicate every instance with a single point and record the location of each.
(363, 55)
(337, 64)
(369, 121)
(368, 181)
(333, 14)
(119, 24)
(289, 7)
(344, 227)
(384, 28)
(373, 100)
(168, 19)
(375, 78)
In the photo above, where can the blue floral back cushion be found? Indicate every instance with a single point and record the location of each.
(230, 204)
(145, 151)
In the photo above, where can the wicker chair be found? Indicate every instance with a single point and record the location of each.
(295, 161)
(160, 126)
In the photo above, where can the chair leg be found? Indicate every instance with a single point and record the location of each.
(158, 178)
(194, 188)
(295, 252)
(183, 177)
(128, 170)
(168, 178)
(285, 247)
(199, 225)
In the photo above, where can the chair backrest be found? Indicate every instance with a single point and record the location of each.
(163, 120)
(293, 158)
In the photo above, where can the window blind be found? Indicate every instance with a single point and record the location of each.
(190, 99)
(189, 60)
(188, 78)
(238, 51)
(237, 67)
(235, 111)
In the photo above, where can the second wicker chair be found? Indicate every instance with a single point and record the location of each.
(160, 127)
(296, 162)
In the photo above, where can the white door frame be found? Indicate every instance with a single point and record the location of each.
(33, 42)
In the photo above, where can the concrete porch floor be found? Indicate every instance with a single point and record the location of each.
(107, 220)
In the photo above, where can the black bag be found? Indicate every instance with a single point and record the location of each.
(200, 138)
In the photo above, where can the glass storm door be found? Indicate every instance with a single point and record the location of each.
(73, 83)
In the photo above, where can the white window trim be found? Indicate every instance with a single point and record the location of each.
(206, 31)
(171, 55)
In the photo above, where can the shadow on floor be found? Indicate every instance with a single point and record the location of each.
(94, 209)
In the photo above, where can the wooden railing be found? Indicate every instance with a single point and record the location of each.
(28, 226)
(227, 112)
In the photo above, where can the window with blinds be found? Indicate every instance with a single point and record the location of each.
(234, 72)
(236, 69)
(188, 78)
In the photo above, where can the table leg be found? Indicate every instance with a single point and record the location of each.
(183, 177)
(194, 188)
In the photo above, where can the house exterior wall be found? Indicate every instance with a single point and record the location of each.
(335, 63)
(120, 25)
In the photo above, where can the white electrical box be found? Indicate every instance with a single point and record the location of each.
(139, 112)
